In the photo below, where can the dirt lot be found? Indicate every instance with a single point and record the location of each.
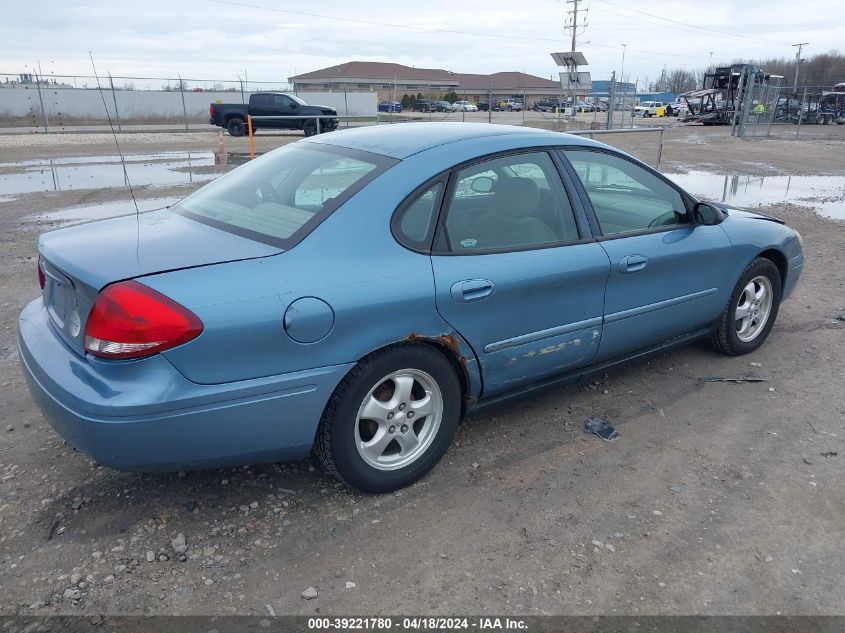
(718, 498)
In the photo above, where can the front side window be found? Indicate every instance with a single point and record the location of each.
(624, 196)
(283, 101)
(281, 196)
(511, 202)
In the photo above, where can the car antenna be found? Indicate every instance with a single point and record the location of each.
(114, 136)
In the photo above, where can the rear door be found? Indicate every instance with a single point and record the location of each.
(667, 274)
(262, 105)
(516, 272)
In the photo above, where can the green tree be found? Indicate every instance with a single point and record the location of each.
(451, 97)
(419, 96)
(405, 101)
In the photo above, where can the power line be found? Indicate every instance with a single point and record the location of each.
(640, 50)
(692, 26)
(388, 24)
(435, 30)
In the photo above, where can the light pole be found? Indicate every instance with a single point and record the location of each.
(622, 79)
(710, 67)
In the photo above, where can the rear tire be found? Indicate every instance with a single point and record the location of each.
(236, 126)
(368, 436)
(751, 311)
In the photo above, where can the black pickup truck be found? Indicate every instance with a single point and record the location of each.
(232, 116)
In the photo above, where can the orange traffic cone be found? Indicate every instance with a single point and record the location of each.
(222, 157)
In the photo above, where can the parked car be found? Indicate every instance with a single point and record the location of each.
(390, 106)
(241, 325)
(464, 106)
(551, 104)
(232, 116)
(424, 105)
(483, 106)
(444, 106)
(648, 108)
(511, 105)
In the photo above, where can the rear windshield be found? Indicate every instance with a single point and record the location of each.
(280, 197)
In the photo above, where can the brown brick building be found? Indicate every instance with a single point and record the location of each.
(391, 81)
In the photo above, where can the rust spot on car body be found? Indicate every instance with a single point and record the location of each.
(449, 341)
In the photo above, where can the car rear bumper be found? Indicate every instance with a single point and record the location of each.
(144, 415)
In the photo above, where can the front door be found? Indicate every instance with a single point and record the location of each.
(285, 106)
(667, 274)
(512, 273)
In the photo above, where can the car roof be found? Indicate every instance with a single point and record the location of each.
(402, 140)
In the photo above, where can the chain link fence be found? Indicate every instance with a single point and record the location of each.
(51, 102)
(765, 110)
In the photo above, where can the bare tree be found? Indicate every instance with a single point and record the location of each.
(822, 70)
(676, 80)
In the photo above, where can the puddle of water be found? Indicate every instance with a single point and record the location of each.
(100, 172)
(85, 160)
(102, 211)
(826, 194)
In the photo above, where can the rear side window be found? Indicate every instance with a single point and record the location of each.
(513, 202)
(280, 197)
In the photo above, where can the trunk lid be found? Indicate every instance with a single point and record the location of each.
(79, 261)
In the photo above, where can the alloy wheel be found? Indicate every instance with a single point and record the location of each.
(753, 308)
(398, 419)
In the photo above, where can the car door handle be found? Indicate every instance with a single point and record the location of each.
(470, 290)
(632, 263)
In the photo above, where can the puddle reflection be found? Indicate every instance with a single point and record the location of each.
(103, 172)
(826, 194)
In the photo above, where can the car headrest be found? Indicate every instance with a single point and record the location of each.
(517, 197)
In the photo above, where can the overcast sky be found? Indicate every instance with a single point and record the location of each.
(211, 39)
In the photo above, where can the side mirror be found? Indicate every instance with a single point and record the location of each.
(292, 106)
(706, 214)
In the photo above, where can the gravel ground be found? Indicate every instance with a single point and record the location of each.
(718, 498)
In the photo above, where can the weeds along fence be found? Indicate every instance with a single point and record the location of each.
(49, 103)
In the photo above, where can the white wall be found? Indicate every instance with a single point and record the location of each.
(144, 105)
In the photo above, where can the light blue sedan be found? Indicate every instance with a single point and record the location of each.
(358, 293)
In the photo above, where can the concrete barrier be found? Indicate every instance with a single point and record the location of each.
(21, 104)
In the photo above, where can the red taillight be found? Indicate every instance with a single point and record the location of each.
(130, 320)
(42, 279)
(211, 111)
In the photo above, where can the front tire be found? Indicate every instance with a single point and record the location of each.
(391, 419)
(751, 311)
(310, 127)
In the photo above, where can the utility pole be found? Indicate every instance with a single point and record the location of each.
(800, 46)
(710, 66)
(573, 25)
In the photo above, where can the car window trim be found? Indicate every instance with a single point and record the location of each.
(382, 164)
(686, 198)
(439, 244)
